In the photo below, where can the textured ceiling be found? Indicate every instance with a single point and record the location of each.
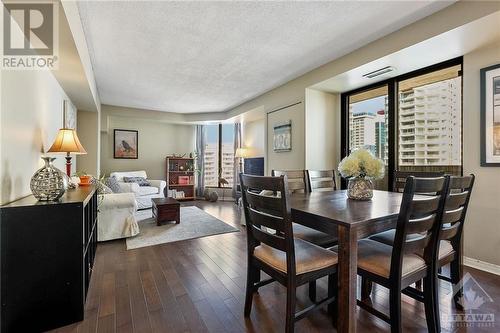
(191, 57)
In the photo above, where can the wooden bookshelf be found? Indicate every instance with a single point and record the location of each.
(178, 168)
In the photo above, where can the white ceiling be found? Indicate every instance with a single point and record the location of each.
(191, 57)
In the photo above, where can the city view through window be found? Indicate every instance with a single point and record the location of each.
(428, 126)
(215, 146)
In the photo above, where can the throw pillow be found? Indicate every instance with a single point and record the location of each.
(141, 181)
(112, 183)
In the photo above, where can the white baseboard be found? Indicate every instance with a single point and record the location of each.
(482, 265)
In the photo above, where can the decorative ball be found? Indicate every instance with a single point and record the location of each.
(206, 194)
(214, 196)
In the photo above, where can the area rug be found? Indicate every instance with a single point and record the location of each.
(195, 223)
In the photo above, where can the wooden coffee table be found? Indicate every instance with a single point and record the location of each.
(166, 209)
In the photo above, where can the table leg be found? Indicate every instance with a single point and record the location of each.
(348, 262)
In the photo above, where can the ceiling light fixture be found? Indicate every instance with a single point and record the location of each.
(379, 72)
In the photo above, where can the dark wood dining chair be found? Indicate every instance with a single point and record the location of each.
(287, 260)
(450, 249)
(397, 267)
(321, 180)
(400, 177)
(298, 182)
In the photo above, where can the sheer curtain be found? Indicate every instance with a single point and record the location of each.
(236, 163)
(200, 149)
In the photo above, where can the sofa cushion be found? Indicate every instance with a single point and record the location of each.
(139, 180)
(119, 175)
(112, 183)
(146, 190)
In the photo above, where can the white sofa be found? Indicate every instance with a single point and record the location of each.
(117, 217)
(143, 194)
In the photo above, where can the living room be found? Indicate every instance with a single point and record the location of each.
(132, 133)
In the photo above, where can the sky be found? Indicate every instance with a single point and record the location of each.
(370, 105)
(213, 133)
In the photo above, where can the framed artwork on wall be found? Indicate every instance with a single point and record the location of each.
(126, 144)
(282, 137)
(490, 116)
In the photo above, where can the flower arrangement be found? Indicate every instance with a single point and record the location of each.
(362, 164)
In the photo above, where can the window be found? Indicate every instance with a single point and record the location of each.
(412, 122)
(368, 125)
(219, 155)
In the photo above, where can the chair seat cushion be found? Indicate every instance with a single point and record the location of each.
(308, 257)
(147, 190)
(375, 257)
(387, 237)
(313, 236)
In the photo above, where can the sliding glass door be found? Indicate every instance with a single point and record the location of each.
(412, 122)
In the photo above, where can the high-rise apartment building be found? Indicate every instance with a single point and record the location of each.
(362, 131)
(430, 124)
(211, 164)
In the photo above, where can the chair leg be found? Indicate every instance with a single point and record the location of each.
(312, 291)
(366, 288)
(456, 275)
(332, 292)
(290, 307)
(252, 274)
(395, 310)
(431, 304)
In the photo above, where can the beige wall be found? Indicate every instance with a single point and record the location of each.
(254, 137)
(293, 159)
(88, 133)
(31, 114)
(481, 237)
(156, 141)
(322, 138)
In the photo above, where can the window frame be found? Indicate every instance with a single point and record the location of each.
(392, 91)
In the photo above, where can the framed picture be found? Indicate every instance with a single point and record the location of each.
(69, 115)
(126, 144)
(490, 116)
(282, 137)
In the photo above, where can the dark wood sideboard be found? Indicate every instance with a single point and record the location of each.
(47, 255)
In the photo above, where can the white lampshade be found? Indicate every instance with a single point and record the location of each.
(242, 152)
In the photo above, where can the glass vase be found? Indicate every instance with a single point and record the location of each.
(360, 188)
(48, 183)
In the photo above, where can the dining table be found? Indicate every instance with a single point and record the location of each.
(334, 213)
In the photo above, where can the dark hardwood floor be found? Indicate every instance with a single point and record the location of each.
(198, 286)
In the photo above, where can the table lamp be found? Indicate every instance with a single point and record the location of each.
(242, 153)
(67, 142)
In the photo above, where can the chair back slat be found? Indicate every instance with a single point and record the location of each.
(421, 225)
(321, 180)
(267, 203)
(429, 186)
(450, 231)
(462, 183)
(296, 180)
(267, 220)
(456, 200)
(273, 240)
(452, 216)
(419, 220)
(400, 178)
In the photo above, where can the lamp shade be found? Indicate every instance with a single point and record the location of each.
(241, 152)
(67, 142)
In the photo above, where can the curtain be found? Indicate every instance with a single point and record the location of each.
(200, 149)
(236, 165)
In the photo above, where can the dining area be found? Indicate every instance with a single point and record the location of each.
(301, 228)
